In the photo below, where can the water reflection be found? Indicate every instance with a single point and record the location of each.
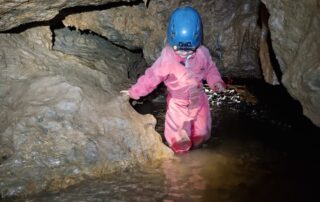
(234, 171)
(200, 175)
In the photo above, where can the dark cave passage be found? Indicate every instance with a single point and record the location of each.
(263, 23)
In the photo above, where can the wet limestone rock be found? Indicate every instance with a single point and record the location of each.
(132, 27)
(295, 29)
(61, 114)
(267, 69)
(230, 27)
(232, 34)
(16, 13)
(266, 56)
(230, 30)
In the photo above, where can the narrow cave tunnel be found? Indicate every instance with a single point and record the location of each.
(67, 133)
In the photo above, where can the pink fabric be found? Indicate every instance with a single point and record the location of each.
(188, 120)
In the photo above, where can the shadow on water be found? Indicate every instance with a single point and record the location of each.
(262, 149)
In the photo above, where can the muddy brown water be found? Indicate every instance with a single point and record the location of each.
(259, 151)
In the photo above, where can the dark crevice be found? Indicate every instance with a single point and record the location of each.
(26, 26)
(134, 71)
(264, 15)
(57, 25)
(4, 157)
(263, 20)
(280, 104)
(88, 31)
(274, 61)
(68, 11)
(137, 68)
(147, 3)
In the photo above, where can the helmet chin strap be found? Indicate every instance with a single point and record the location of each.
(187, 60)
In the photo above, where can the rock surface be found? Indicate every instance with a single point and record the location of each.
(15, 13)
(295, 29)
(61, 117)
(268, 72)
(266, 56)
(230, 30)
(131, 27)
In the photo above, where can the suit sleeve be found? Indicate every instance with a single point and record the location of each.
(213, 75)
(153, 76)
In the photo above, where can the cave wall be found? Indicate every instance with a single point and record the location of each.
(61, 116)
(230, 30)
(230, 27)
(25, 13)
(295, 29)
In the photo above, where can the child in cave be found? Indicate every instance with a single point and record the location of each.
(183, 65)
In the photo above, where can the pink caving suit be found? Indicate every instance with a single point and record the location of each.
(188, 118)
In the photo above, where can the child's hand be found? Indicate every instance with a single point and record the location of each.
(125, 94)
(219, 87)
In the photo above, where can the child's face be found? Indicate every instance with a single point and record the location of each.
(184, 53)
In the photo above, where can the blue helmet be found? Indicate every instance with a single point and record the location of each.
(185, 29)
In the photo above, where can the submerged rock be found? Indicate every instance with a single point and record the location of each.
(62, 119)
